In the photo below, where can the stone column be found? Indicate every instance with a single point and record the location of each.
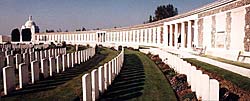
(138, 36)
(189, 42)
(176, 35)
(158, 35)
(9, 79)
(171, 35)
(196, 34)
(150, 35)
(142, 36)
(23, 75)
(101, 79)
(34, 71)
(154, 35)
(86, 87)
(183, 34)
(134, 36)
(165, 35)
(94, 84)
(146, 35)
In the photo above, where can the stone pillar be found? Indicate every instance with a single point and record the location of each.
(44, 67)
(146, 35)
(158, 35)
(214, 90)
(86, 87)
(58, 63)
(101, 79)
(134, 36)
(153, 37)
(9, 79)
(138, 36)
(23, 75)
(142, 36)
(34, 71)
(64, 62)
(171, 35)
(176, 35)
(196, 34)
(150, 35)
(95, 86)
(165, 35)
(183, 34)
(52, 65)
(189, 42)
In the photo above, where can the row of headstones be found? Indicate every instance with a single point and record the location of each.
(205, 88)
(27, 57)
(48, 67)
(23, 46)
(95, 83)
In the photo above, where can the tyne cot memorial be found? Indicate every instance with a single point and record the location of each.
(202, 54)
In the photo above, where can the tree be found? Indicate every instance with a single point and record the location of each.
(165, 11)
(162, 12)
(83, 29)
(15, 35)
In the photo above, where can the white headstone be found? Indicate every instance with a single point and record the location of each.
(86, 87)
(101, 79)
(9, 79)
(214, 90)
(64, 62)
(44, 67)
(58, 63)
(52, 65)
(69, 61)
(205, 87)
(110, 72)
(73, 59)
(106, 74)
(198, 85)
(34, 71)
(95, 86)
(76, 58)
(10, 60)
(23, 75)
(18, 60)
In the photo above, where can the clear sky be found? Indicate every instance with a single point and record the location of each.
(73, 14)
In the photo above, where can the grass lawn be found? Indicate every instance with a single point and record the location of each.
(139, 80)
(240, 81)
(236, 63)
(65, 86)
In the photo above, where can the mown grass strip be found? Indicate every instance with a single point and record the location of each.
(144, 75)
(240, 81)
(236, 63)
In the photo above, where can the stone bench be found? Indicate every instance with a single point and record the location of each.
(244, 55)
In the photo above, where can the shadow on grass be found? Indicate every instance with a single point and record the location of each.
(58, 79)
(129, 83)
